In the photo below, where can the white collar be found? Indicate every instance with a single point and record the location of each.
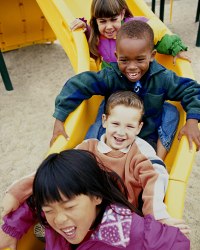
(104, 148)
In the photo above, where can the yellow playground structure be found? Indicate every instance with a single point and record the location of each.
(22, 23)
(26, 19)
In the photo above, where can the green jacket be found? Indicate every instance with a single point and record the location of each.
(158, 85)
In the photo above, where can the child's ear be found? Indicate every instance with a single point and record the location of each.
(153, 54)
(104, 121)
(98, 200)
(116, 54)
(140, 127)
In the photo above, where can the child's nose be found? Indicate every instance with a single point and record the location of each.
(121, 131)
(132, 65)
(60, 218)
(109, 25)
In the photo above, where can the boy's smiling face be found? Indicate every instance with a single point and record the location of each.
(133, 57)
(122, 125)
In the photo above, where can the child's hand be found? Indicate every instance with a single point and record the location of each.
(191, 130)
(58, 130)
(9, 204)
(184, 228)
(76, 24)
(6, 241)
(182, 55)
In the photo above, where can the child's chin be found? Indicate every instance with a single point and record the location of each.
(118, 147)
(135, 79)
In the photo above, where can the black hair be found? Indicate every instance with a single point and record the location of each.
(74, 172)
(138, 30)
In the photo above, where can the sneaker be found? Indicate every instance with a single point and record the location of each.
(39, 232)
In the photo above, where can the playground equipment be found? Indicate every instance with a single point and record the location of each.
(60, 14)
(22, 23)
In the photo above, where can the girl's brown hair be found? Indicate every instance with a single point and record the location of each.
(104, 9)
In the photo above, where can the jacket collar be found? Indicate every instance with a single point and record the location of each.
(115, 227)
(155, 68)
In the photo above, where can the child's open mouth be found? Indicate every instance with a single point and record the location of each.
(110, 34)
(132, 76)
(69, 232)
(119, 140)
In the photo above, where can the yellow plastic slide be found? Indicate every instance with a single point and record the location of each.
(59, 14)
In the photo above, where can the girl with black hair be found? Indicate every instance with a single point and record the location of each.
(84, 206)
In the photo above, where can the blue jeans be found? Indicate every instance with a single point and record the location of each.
(169, 124)
(96, 130)
(166, 131)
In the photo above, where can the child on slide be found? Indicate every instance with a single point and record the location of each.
(86, 210)
(120, 150)
(136, 70)
(107, 16)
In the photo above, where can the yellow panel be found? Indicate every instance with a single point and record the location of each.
(59, 15)
(22, 23)
(175, 198)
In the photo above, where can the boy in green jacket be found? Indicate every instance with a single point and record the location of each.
(137, 71)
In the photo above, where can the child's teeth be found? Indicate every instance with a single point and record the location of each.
(69, 231)
(118, 139)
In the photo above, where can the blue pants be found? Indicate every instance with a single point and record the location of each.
(166, 131)
(169, 124)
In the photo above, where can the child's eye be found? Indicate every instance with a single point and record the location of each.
(124, 61)
(115, 123)
(141, 60)
(69, 207)
(102, 21)
(114, 19)
(47, 211)
(130, 126)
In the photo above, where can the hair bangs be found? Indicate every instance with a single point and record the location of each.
(107, 9)
(56, 179)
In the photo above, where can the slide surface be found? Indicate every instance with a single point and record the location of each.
(59, 14)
